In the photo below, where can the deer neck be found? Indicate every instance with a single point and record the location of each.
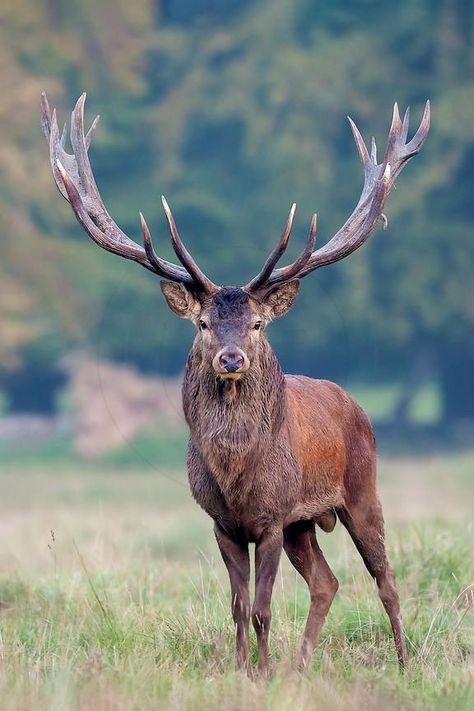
(234, 427)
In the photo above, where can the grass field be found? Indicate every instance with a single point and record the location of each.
(113, 596)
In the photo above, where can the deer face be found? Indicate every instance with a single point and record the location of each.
(230, 323)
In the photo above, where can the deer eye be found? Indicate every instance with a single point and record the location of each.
(202, 325)
(258, 326)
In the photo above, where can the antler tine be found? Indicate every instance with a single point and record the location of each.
(80, 145)
(91, 132)
(419, 138)
(394, 133)
(161, 267)
(359, 141)
(294, 270)
(56, 153)
(405, 125)
(45, 116)
(275, 255)
(75, 180)
(378, 181)
(396, 124)
(373, 151)
(62, 140)
(183, 255)
(398, 151)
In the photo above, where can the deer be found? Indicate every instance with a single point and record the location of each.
(270, 456)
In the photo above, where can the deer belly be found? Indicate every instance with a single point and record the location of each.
(321, 493)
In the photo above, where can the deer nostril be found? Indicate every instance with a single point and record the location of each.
(231, 362)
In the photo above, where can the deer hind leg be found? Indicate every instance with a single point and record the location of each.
(302, 549)
(364, 521)
(236, 559)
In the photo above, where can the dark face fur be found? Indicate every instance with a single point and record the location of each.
(230, 323)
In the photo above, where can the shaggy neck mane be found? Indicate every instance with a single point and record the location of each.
(227, 424)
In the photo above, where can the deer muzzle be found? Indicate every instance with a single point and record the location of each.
(230, 363)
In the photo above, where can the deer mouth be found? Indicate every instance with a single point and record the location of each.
(230, 376)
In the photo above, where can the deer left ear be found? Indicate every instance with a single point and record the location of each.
(281, 298)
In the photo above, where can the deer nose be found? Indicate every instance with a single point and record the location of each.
(231, 362)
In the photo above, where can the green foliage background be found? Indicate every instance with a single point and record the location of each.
(234, 110)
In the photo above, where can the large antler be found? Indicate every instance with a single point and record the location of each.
(378, 181)
(75, 180)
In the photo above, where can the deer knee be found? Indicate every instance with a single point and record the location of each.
(261, 620)
(240, 610)
(330, 589)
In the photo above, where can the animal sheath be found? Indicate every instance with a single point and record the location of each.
(270, 455)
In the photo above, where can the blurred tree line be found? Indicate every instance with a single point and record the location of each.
(234, 109)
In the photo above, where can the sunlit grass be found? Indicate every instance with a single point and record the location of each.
(426, 405)
(380, 401)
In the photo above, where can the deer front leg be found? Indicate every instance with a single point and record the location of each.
(236, 559)
(267, 558)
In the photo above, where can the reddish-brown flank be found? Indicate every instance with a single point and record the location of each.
(270, 456)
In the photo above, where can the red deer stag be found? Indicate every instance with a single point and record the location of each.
(269, 454)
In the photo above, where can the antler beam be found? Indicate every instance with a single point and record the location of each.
(75, 181)
(378, 181)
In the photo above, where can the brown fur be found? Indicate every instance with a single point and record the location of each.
(271, 455)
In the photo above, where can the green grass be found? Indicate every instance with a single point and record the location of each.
(379, 401)
(153, 448)
(113, 596)
(426, 405)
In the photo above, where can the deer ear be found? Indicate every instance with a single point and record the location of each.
(180, 300)
(281, 298)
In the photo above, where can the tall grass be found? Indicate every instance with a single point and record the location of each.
(112, 596)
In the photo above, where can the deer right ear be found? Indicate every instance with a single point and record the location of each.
(180, 300)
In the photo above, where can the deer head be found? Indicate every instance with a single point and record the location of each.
(230, 321)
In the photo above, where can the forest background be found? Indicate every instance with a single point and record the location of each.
(234, 110)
